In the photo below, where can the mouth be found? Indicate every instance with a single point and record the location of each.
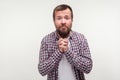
(63, 28)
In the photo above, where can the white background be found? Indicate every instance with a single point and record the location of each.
(23, 23)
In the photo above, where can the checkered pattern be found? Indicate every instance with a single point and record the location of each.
(78, 56)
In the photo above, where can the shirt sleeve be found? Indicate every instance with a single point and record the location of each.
(81, 59)
(47, 63)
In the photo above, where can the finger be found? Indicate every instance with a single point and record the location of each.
(59, 41)
(65, 49)
(65, 40)
(65, 44)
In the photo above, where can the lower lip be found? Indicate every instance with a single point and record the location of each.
(63, 28)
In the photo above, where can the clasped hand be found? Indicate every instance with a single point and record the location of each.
(63, 45)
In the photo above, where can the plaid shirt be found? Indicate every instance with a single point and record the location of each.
(78, 56)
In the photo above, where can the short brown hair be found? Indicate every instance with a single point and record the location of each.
(62, 7)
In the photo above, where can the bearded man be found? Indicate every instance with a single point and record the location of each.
(64, 54)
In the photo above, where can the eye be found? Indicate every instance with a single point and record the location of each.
(67, 17)
(58, 18)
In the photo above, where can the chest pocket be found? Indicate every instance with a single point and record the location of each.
(76, 46)
(51, 47)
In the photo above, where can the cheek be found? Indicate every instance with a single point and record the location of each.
(57, 23)
(69, 23)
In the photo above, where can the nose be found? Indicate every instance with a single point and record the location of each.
(63, 21)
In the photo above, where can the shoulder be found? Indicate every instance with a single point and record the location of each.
(49, 37)
(78, 35)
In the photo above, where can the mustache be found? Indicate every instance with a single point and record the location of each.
(63, 25)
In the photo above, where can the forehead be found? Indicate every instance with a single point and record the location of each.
(63, 12)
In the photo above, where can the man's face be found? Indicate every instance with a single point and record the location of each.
(63, 22)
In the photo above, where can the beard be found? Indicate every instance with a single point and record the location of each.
(64, 33)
